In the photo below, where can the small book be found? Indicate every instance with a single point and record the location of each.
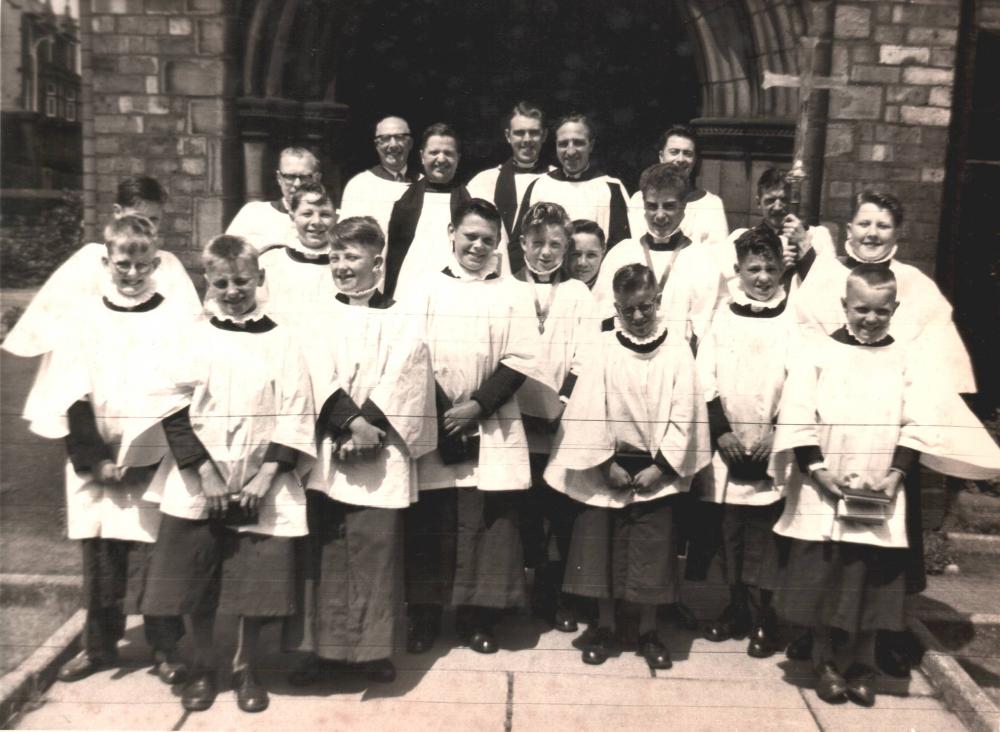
(866, 495)
(861, 512)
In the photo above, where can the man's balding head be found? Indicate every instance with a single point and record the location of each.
(393, 142)
(296, 165)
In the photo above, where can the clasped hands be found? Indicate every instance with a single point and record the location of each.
(364, 443)
(834, 487)
(639, 484)
(734, 452)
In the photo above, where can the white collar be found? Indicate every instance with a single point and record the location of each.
(542, 272)
(307, 252)
(658, 331)
(109, 291)
(853, 253)
(212, 309)
(492, 267)
(740, 297)
(861, 338)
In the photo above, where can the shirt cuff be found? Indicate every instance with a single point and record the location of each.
(373, 415)
(807, 456)
(286, 457)
(337, 412)
(718, 423)
(660, 461)
(569, 383)
(184, 444)
(84, 443)
(498, 389)
(904, 459)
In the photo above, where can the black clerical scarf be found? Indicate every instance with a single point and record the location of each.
(403, 223)
(377, 301)
(850, 262)
(641, 347)
(505, 192)
(676, 241)
(296, 256)
(142, 307)
(747, 311)
(261, 325)
(379, 172)
(843, 335)
(279, 205)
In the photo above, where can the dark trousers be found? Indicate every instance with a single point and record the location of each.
(113, 574)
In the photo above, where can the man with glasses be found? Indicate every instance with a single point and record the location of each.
(265, 223)
(372, 192)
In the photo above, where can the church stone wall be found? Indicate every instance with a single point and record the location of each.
(157, 100)
(889, 127)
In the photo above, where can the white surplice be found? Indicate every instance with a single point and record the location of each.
(704, 218)
(264, 224)
(296, 288)
(366, 194)
(588, 198)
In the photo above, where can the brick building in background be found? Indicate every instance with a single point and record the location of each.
(202, 93)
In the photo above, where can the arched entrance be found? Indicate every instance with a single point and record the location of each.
(320, 72)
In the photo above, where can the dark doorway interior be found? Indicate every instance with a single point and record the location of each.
(628, 62)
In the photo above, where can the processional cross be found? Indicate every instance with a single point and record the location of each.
(806, 83)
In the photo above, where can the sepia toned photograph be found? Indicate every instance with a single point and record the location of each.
(500, 365)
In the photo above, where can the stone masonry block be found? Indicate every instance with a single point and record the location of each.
(110, 6)
(205, 6)
(898, 134)
(839, 139)
(891, 113)
(208, 117)
(862, 53)
(856, 102)
(117, 123)
(133, 64)
(207, 218)
(102, 24)
(889, 34)
(180, 27)
(193, 166)
(940, 96)
(164, 6)
(926, 15)
(930, 116)
(211, 37)
(866, 73)
(142, 25)
(925, 75)
(890, 54)
(932, 36)
(932, 175)
(118, 83)
(840, 62)
(152, 84)
(840, 189)
(875, 153)
(906, 94)
(195, 77)
(943, 57)
(853, 21)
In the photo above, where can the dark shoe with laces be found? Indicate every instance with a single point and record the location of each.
(600, 645)
(895, 654)
(251, 697)
(801, 648)
(861, 684)
(652, 649)
(482, 640)
(830, 685)
(735, 622)
(199, 692)
(564, 619)
(83, 665)
(169, 668)
(762, 643)
(424, 628)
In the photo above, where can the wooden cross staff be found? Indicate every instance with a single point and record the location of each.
(806, 82)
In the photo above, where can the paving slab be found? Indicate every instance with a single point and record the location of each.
(910, 714)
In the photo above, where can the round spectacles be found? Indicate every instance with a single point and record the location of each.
(386, 139)
(296, 177)
(140, 267)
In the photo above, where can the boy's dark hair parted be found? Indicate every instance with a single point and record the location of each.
(770, 179)
(883, 200)
(476, 207)
(440, 129)
(361, 230)
(137, 188)
(309, 188)
(876, 276)
(759, 241)
(131, 234)
(662, 177)
(544, 214)
(586, 226)
(228, 248)
(632, 278)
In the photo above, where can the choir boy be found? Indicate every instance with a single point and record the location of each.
(105, 391)
(741, 364)
(859, 409)
(371, 372)
(463, 534)
(232, 498)
(298, 275)
(563, 310)
(635, 433)
(586, 252)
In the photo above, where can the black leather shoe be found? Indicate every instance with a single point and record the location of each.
(381, 671)
(830, 685)
(892, 654)
(801, 648)
(482, 640)
(734, 622)
(599, 646)
(564, 620)
(169, 669)
(761, 642)
(81, 666)
(652, 649)
(250, 695)
(861, 684)
(424, 627)
(199, 693)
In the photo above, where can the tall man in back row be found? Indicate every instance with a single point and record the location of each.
(579, 187)
(505, 185)
(372, 192)
(263, 223)
(704, 214)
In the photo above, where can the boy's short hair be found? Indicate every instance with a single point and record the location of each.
(228, 248)
(309, 188)
(632, 278)
(440, 129)
(525, 109)
(882, 199)
(876, 276)
(759, 241)
(662, 177)
(579, 118)
(770, 179)
(543, 214)
(586, 226)
(678, 130)
(137, 188)
(131, 234)
(476, 207)
(361, 230)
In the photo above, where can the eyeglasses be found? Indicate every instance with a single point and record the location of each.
(386, 139)
(296, 177)
(124, 267)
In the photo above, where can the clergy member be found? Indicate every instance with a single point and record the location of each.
(505, 184)
(579, 187)
(372, 192)
(418, 241)
(704, 216)
(263, 223)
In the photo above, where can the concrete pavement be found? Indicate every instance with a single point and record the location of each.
(537, 682)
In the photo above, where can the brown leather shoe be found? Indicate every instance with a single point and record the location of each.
(830, 685)
(251, 697)
(199, 693)
(652, 649)
(861, 684)
(600, 645)
(169, 668)
(82, 665)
